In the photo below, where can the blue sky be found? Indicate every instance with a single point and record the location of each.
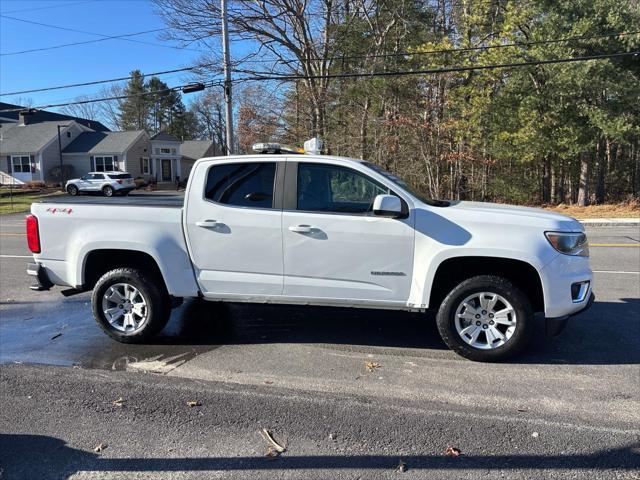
(81, 63)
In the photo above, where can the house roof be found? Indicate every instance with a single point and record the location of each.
(27, 138)
(45, 116)
(165, 137)
(195, 149)
(102, 142)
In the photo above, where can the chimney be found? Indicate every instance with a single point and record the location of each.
(23, 115)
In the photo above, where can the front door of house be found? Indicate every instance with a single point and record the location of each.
(166, 170)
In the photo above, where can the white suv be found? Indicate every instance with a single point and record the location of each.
(109, 183)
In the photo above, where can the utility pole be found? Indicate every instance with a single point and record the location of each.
(60, 153)
(227, 77)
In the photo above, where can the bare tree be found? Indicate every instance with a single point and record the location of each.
(290, 36)
(90, 111)
(209, 110)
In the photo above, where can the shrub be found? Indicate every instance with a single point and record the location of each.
(67, 172)
(140, 182)
(34, 184)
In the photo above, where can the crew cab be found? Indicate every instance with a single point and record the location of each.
(310, 229)
(107, 183)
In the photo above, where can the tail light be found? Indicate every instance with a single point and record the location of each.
(119, 181)
(33, 234)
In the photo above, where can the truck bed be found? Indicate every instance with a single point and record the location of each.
(72, 228)
(136, 200)
(148, 200)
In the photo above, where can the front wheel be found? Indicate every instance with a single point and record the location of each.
(107, 191)
(486, 319)
(130, 305)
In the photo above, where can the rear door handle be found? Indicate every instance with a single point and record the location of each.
(301, 228)
(209, 224)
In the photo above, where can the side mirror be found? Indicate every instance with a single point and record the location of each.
(387, 206)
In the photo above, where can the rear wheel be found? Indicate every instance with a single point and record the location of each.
(72, 190)
(107, 191)
(130, 305)
(486, 319)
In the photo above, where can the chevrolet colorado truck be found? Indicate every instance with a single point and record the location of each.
(311, 229)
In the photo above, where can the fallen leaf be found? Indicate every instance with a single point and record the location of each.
(268, 382)
(56, 336)
(100, 447)
(523, 409)
(371, 366)
(194, 403)
(452, 452)
(272, 453)
(402, 467)
(119, 402)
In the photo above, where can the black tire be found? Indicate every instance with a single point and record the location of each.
(151, 288)
(72, 190)
(525, 322)
(107, 191)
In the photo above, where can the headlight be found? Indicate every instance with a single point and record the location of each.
(569, 243)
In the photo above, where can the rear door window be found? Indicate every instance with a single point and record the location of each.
(118, 176)
(242, 184)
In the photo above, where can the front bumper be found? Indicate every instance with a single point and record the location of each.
(555, 325)
(42, 279)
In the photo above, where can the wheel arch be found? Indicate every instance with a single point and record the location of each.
(451, 271)
(99, 261)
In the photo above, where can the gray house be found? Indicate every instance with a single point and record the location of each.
(192, 150)
(105, 151)
(31, 147)
(30, 152)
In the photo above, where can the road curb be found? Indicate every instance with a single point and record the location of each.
(611, 222)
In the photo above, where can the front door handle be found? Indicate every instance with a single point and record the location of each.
(209, 224)
(301, 228)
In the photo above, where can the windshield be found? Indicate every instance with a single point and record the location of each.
(405, 186)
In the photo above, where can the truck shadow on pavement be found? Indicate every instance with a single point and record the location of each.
(602, 335)
(45, 457)
(203, 322)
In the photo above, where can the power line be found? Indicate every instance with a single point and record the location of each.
(57, 5)
(111, 37)
(110, 80)
(352, 75)
(114, 97)
(428, 52)
(460, 49)
(269, 76)
(57, 27)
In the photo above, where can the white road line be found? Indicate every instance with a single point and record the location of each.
(616, 271)
(16, 256)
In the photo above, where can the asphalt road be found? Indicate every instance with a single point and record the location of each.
(568, 408)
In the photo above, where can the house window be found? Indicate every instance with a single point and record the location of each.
(165, 150)
(104, 164)
(21, 164)
(145, 166)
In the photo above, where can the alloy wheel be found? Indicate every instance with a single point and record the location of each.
(485, 320)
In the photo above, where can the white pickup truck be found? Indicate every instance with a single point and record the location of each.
(315, 230)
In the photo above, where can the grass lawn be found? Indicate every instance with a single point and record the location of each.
(21, 203)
